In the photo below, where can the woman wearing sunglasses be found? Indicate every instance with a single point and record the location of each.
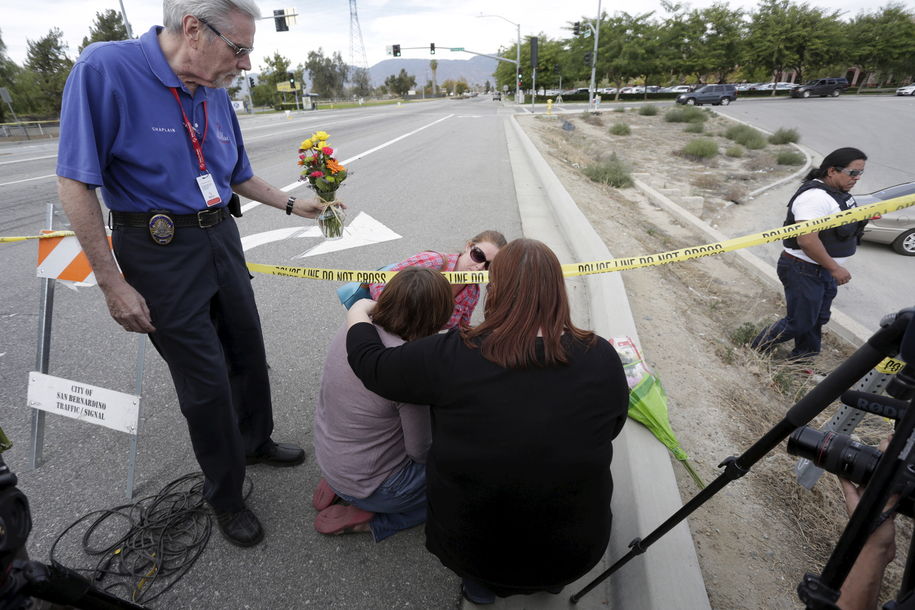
(477, 255)
(525, 407)
(812, 266)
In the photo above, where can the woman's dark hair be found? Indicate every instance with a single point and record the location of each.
(493, 237)
(526, 294)
(839, 158)
(416, 303)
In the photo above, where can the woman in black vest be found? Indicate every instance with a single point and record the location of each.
(811, 266)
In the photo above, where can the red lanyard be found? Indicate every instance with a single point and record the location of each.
(197, 144)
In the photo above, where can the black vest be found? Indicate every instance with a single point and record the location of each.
(840, 241)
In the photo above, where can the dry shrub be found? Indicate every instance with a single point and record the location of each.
(592, 118)
(708, 182)
(734, 193)
(760, 162)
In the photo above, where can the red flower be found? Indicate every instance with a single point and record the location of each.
(327, 150)
(318, 174)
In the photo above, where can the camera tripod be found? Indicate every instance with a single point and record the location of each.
(884, 343)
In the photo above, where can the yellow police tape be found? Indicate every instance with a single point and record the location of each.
(577, 269)
(618, 264)
(4, 240)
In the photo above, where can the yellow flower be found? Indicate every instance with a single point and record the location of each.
(321, 135)
(320, 145)
(306, 144)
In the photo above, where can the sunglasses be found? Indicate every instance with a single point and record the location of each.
(852, 173)
(238, 50)
(478, 256)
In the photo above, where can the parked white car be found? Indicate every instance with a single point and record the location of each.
(678, 89)
(907, 90)
(780, 86)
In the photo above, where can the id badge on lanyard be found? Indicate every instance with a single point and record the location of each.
(205, 182)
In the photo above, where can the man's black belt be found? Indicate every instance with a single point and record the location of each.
(141, 220)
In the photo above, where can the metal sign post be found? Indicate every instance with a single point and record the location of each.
(45, 313)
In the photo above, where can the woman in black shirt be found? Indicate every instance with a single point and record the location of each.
(524, 409)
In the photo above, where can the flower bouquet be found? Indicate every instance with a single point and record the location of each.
(325, 175)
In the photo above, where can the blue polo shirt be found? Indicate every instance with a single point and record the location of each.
(121, 129)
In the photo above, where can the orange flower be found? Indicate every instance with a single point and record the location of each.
(334, 166)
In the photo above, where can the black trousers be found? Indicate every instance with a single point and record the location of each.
(208, 331)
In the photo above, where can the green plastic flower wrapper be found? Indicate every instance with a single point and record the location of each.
(648, 402)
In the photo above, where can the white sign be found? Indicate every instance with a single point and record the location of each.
(100, 406)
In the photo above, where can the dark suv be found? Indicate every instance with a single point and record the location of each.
(709, 94)
(821, 87)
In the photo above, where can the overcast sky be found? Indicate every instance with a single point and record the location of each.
(410, 23)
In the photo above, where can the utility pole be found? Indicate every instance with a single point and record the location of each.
(596, 29)
(126, 23)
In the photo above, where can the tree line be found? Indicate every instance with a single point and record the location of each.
(680, 45)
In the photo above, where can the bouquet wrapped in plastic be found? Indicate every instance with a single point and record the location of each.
(648, 401)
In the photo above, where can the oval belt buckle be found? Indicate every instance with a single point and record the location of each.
(161, 229)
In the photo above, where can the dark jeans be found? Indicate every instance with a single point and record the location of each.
(399, 503)
(208, 331)
(809, 291)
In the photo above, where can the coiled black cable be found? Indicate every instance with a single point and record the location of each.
(145, 548)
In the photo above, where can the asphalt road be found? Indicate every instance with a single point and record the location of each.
(446, 178)
(881, 126)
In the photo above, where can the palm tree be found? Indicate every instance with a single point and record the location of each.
(433, 65)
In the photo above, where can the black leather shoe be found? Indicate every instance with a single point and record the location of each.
(240, 528)
(277, 454)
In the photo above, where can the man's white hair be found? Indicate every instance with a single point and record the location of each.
(215, 12)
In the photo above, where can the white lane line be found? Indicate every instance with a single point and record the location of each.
(28, 179)
(24, 160)
(289, 187)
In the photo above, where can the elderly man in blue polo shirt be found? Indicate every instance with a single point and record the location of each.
(148, 121)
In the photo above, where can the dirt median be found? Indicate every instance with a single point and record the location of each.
(759, 535)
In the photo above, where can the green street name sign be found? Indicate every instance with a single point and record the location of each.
(456, 49)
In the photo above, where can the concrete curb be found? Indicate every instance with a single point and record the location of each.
(667, 575)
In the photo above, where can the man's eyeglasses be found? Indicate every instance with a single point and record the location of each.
(478, 256)
(239, 51)
(852, 173)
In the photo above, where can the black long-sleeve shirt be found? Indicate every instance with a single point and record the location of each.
(518, 477)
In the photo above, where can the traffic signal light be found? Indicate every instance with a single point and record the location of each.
(576, 28)
(291, 77)
(279, 18)
(396, 49)
(589, 56)
(534, 50)
(432, 48)
(250, 81)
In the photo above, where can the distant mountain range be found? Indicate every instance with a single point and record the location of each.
(477, 70)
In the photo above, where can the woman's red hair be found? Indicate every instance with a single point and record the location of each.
(526, 294)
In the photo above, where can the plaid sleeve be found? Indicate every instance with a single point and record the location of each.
(432, 260)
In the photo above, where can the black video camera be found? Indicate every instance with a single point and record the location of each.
(843, 456)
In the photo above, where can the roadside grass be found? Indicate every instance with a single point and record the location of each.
(735, 151)
(790, 157)
(612, 171)
(648, 110)
(620, 129)
(700, 149)
(619, 109)
(785, 136)
(694, 128)
(746, 136)
(687, 114)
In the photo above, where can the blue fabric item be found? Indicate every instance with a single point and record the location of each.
(351, 292)
(399, 503)
(809, 292)
(121, 129)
